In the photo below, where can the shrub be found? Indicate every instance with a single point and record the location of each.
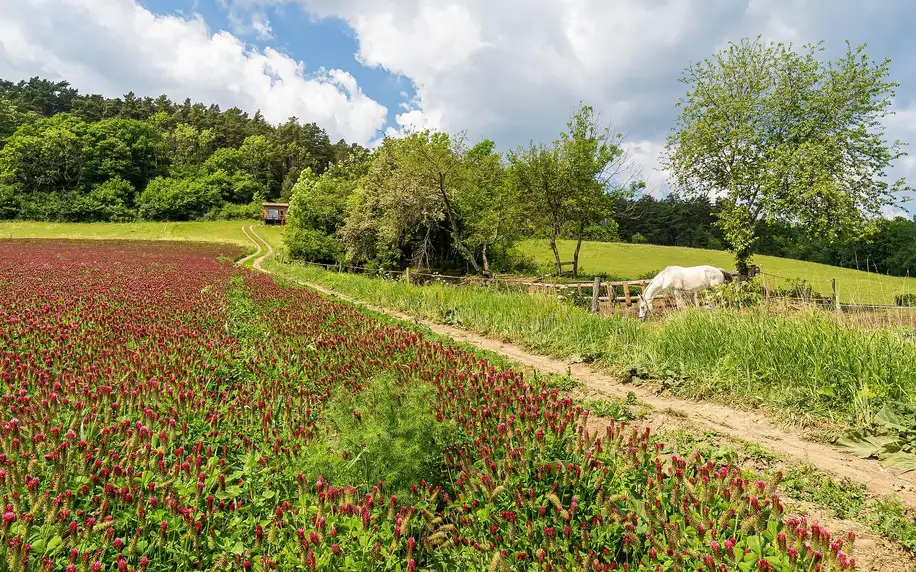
(105, 203)
(385, 433)
(231, 211)
(177, 199)
(312, 245)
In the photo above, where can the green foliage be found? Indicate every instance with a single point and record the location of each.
(785, 137)
(232, 211)
(312, 245)
(890, 437)
(57, 146)
(128, 149)
(384, 433)
(106, 202)
(317, 210)
(177, 199)
(566, 186)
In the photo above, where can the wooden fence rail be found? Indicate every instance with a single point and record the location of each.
(598, 290)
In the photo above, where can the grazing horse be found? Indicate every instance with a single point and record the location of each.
(679, 280)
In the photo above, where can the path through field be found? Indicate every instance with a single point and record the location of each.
(738, 424)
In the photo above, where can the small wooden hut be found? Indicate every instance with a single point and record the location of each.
(275, 213)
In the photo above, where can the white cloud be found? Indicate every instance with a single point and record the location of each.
(113, 46)
(893, 212)
(513, 70)
(645, 158)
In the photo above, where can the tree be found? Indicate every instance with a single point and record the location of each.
(317, 210)
(127, 148)
(489, 204)
(567, 185)
(45, 156)
(780, 136)
(435, 162)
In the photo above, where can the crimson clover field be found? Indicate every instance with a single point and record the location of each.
(165, 410)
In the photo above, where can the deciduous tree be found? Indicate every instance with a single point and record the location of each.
(779, 135)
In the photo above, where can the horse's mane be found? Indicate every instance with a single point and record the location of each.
(727, 275)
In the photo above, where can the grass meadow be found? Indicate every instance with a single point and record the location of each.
(801, 366)
(635, 261)
(223, 231)
(621, 260)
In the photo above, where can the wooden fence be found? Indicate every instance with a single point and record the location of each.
(604, 295)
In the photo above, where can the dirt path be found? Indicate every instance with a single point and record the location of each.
(740, 425)
(257, 244)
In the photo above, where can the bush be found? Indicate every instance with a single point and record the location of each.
(638, 239)
(231, 211)
(10, 204)
(105, 203)
(312, 246)
(385, 433)
(177, 199)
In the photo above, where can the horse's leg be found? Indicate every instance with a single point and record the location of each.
(679, 299)
(696, 299)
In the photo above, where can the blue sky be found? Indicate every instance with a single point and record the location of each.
(510, 70)
(318, 42)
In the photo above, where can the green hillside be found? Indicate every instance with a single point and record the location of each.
(633, 261)
(212, 231)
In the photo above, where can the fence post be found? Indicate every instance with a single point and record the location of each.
(596, 291)
(407, 275)
(836, 295)
(766, 291)
(626, 293)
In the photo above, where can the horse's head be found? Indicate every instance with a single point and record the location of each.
(643, 308)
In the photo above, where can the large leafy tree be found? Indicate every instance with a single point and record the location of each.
(568, 185)
(127, 148)
(779, 135)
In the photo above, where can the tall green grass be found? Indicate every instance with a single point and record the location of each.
(801, 365)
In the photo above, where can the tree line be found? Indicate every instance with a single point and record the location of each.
(432, 200)
(65, 156)
(792, 147)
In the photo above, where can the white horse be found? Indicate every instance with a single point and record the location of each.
(679, 280)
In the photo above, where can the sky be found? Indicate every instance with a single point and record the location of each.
(508, 70)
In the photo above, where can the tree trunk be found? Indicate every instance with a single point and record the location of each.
(576, 253)
(486, 263)
(743, 264)
(453, 224)
(556, 255)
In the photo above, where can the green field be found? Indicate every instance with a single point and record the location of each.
(212, 231)
(635, 261)
(621, 260)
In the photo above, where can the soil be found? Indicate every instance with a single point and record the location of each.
(872, 552)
